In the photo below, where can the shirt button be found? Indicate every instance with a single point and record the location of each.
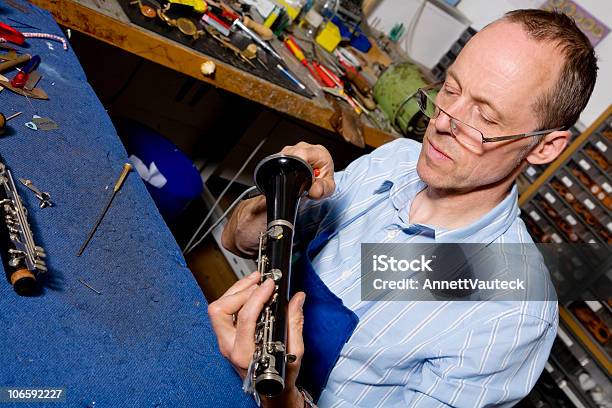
(345, 274)
(392, 234)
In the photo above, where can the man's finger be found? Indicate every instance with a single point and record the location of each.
(322, 188)
(247, 320)
(221, 311)
(295, 340)
(242, 284)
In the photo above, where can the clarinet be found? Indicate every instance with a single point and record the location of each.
(24, 256)
(283, 179)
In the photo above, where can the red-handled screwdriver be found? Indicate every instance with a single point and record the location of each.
(22, 76)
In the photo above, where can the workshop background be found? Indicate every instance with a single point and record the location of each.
(196, 114)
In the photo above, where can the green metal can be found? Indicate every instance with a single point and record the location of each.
(394, 92)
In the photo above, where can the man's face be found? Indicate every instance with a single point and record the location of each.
(492, 86)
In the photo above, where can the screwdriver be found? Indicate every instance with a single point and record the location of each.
(24, 73)
(299, 54)
(127, 167)
(4, 119)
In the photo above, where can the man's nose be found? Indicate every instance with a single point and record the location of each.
(443, 123)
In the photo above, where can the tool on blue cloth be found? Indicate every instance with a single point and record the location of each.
(4, 119)
(10, 34)
(43, 196)
(21, 24)
(11, 59)
(24, 73)
(36, 93)
(127, 167)
(25, 258)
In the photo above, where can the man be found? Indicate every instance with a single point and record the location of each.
(531, 71)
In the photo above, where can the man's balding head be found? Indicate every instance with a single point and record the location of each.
(566, 99)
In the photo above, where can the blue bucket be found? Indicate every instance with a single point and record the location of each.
(170, 176)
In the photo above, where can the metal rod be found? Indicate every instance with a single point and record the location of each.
(87, 285)
(14, 115)
(126, 169)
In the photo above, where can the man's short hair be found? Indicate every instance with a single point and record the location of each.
(561, 106)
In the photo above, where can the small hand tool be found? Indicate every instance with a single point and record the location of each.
(290, 76)
(238, 24)
(36, 93)
(325, 79)
(127, 167)
(264, 32)
(13, 60)
(340, 93)
(4, 119)
(24, 73)
(43, 196)
(299, 54)
(10, 34)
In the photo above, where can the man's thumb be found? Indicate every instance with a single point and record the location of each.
(295, 342)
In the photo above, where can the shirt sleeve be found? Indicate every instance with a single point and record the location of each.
(496, 364)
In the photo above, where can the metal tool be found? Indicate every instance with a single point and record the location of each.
(4, 119)
(340, 93)
(228, 44)
(10, 34)
(43, 196)
(290, 76)
(127, 167)
(36, 93)
(237, 23)
(88, 286)
(12, 59)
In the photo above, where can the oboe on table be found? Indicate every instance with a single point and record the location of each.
(23, 258)
(283, 180)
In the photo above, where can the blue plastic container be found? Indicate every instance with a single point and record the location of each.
(170, 176)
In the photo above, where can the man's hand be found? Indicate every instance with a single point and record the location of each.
(319, 158)
(241, 234)
(246, 299)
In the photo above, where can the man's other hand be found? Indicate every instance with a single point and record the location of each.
(319, 158)
(236, 337)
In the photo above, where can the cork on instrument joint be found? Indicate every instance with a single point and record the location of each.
(21, 274)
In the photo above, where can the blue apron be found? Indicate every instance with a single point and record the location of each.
(328, 324)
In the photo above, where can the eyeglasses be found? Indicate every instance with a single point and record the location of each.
(463, 132)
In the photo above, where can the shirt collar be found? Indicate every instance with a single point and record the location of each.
(486, 229)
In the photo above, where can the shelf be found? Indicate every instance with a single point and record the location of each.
(575, 180)
(591, 345)
(571, 209)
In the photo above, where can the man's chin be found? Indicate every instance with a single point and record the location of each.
(434, 176)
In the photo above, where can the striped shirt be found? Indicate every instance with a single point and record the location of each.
(423, 353)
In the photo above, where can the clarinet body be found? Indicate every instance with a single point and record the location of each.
(283, 180)
(23, 258)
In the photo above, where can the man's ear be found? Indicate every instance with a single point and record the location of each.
(549, 148)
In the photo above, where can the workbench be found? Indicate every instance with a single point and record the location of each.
(106, 21)
(125, 324)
